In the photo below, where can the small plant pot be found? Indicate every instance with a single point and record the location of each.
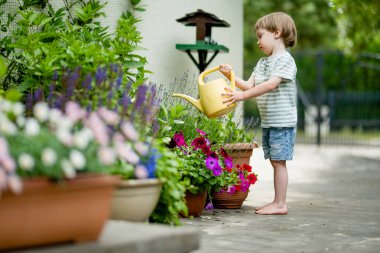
(224, 200)
(195, 203)
(135, 199)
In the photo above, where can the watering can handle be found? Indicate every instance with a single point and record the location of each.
(206, 72)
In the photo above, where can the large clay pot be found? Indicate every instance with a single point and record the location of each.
(195, 203)
(48, 212)
(224, 200)
(240, 152)
(135, 199)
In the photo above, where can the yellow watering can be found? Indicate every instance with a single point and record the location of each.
(211, 101)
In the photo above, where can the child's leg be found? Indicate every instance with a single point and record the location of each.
(278, 206)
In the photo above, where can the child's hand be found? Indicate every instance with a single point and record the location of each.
(232, 96)
(225, 69)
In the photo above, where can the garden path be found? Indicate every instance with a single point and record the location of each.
(333, 200)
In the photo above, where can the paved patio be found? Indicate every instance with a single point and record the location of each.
(333, 201)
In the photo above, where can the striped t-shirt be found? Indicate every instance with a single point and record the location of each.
(278, 107)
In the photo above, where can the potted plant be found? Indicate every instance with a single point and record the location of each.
(47, 171)
(232, 194)
(203, 165)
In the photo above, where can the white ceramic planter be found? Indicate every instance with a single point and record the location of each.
(135, 199)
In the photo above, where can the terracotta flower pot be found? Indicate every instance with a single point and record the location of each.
(195, 203)
(225, 200)
(135, 200)
(48, 212)
(240, 152)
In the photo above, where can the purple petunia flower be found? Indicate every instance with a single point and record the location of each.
(228, 162)
(211, 163)
(217, 170)
(231, 189)
(244, 185)
(209, 206)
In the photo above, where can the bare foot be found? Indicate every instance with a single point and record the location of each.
(261, 207)
(273, 209)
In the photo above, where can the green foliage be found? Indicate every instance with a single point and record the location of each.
(315, 22)
(178, 117)
(172, 198)
(359, 24)
(48, 41)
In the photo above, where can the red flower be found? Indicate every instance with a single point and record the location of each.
(206, 150)
(252, 178)
(247, 167)
(223, 153)
(198, 143)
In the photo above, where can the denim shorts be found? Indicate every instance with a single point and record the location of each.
(278, 143)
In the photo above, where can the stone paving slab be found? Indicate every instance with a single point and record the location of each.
(132, 237)
(333, 201)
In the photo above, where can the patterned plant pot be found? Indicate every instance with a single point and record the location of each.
(47, 212)
(240, 152)
(224, 200)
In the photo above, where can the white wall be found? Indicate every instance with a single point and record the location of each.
(161, 32)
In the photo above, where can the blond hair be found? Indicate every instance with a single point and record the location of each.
(279, 21)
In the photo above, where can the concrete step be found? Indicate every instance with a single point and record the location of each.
(132, 237)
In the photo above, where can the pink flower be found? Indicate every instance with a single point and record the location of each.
(7, 163)
(141, 172)
(129, 131)
(74, 111)
(107, 155)
(211, 163)
(99, 129)
(15, 184)
(179, 139)
(201, 132)
(110, 117)
(231, 189)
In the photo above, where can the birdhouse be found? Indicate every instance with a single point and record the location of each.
(204, 44)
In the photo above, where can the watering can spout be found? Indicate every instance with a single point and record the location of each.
(193, 101)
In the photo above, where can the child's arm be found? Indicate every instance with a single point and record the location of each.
(240, 83)
(264, 87)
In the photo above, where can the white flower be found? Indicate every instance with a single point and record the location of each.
(64, 136)
(31, 127)
(20, 120)
(7, 127)
(5, 105)
(26, 161)
(106, 155)
(77, 159)
(41, 111)
(82, 138)
(68, 168)
(48, 157)
(55, 116)
(18, 109)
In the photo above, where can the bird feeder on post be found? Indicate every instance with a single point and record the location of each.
(203, 21)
